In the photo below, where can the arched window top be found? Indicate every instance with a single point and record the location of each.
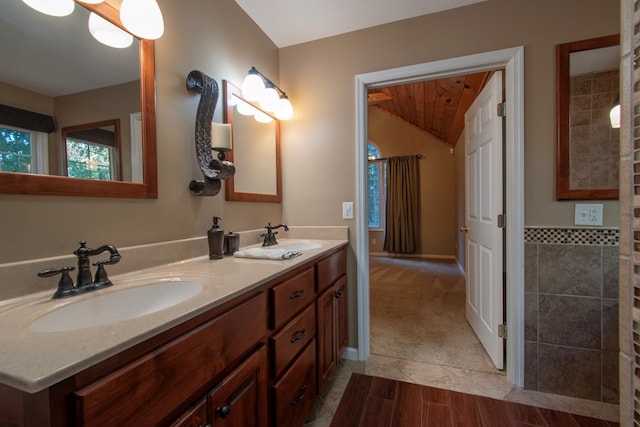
(373, 152)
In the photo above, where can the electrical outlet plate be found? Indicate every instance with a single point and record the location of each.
(588, 214)
(347, 210)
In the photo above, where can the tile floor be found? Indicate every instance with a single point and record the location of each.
(405, 353)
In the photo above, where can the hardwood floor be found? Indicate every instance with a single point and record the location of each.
(373, 401)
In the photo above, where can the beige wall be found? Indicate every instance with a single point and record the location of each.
(437, 180)
(216, 38)
(319, 76)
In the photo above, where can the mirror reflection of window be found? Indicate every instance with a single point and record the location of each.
(88, 160)
(23, 150)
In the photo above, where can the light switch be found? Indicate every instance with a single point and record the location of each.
(347, 210)
(588, 214)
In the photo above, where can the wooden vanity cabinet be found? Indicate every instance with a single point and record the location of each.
(258, 360)
(331, 314)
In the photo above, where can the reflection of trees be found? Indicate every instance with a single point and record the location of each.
(15, 150)
(86, 160)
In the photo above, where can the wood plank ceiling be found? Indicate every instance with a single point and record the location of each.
(435, 107)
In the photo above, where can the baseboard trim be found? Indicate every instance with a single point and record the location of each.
(425, 256)
(350, 353)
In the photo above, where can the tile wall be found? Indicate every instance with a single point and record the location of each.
(571, 319)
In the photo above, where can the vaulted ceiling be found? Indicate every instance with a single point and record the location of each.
(435, 107)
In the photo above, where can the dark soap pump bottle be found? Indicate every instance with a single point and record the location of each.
(216, 239)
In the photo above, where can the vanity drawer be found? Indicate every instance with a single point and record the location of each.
(330, 269)
(292, 339)
(291, 296)
(146, 391)
(295, 393)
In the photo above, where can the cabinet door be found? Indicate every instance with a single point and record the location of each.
(241, 399)
(325, 327)
(295, 393)
(341, 313)
(195, 417)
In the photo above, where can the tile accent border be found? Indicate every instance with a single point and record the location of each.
(573, 235)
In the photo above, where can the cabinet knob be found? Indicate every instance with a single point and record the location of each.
(338, 294)
(223, 411)
(303, 393)
(297, 294)
(298, 336)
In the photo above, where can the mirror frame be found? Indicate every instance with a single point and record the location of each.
(563, 52)
(20, 183)
(228, 89)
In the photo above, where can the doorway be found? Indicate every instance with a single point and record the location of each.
(511, 60)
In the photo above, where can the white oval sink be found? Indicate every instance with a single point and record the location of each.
(114, 307)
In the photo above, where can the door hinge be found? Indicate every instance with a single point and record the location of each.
(502, 219)
(502, 109)
(502, 331)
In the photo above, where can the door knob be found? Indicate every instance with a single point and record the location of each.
(464, 229)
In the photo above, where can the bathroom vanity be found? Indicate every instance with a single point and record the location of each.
(254, 348)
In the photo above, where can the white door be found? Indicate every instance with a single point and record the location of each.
(483, 194)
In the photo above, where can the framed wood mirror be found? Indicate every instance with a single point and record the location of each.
(141, 124)
(587, 147)
(255, 153)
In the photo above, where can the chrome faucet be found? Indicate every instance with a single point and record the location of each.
(85, 282)
(270, 236)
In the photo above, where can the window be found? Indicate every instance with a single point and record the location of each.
(89, 160)
(23, 150)
(376, 187)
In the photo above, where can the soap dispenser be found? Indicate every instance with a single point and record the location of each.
(216, 239)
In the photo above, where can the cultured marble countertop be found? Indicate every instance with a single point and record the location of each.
(32, 361)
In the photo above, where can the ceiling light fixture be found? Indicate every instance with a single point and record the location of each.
(52, 7)
(107, 33)
(142, 18)
(256, 87)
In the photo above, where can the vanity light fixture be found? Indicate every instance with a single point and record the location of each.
(256, 87)
(614, 114)
(107, 33)
(92, 1)
(52, 7)
(142, 18)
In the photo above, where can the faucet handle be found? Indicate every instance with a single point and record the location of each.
(65, 285)
(101, 279)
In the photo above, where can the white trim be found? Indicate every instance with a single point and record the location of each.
(512, 60)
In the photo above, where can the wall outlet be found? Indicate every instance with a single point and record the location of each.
(347, 210)
(588, 214)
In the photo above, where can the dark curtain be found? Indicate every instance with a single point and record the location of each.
(403, 205)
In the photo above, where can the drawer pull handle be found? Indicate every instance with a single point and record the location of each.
(223, 411)
(297, 294)
(301, 396)
(298, 336)
(338, 294)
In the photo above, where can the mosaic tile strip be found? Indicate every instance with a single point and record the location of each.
(573, 236)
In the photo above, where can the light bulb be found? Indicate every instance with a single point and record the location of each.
(252, 87)
(284, 110)
(269, 99)
(142, 18)
(92, 1)
(107, 33)
(614, 116)
(262, 117)
(52, 7)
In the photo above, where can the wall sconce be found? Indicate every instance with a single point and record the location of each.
(256, 87)
(209, 137)
(614, 114)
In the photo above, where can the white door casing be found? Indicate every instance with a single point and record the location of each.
(512, 61)
(484, 203)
